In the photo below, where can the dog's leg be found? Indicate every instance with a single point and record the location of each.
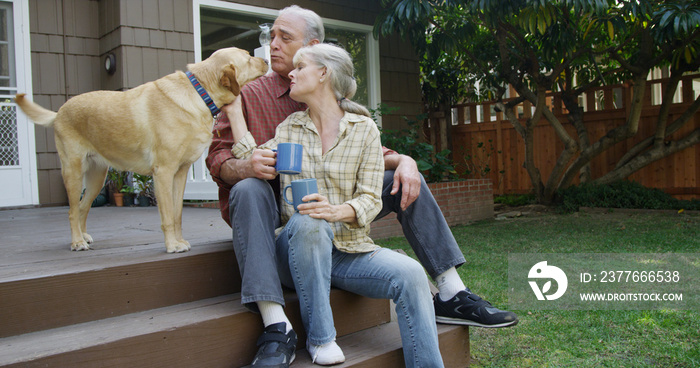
(94, 181)
(163, 179)
(71, 169)
(179, 183)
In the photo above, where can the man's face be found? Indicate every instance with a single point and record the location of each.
(287, 37)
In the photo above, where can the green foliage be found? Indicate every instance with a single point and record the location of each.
(128, 189)
(539, 46)
(515, 200)
(435, 167)
(144, 184)
(621, 194)
(116, 179)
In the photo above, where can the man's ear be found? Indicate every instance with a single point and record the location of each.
(313, 42)
(228, 79)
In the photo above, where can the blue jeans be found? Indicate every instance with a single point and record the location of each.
(308, 262)
(255, 216)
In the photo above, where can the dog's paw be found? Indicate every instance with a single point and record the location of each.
(187, 244)
(87, 238)
(82, 245)
(178, 247)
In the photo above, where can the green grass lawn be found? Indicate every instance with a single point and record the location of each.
(565, 338)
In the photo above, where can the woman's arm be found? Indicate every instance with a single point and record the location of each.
(367, 198)
(234, 111)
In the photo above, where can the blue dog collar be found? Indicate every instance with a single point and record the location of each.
(203, 94)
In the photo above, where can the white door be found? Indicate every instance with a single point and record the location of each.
(18, 177)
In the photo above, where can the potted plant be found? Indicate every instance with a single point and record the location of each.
(129, 193)
(144, 187)
(116, 180)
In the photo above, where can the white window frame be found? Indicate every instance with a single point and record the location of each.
(200, 185)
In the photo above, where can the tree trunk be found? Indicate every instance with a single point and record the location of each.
(648, 157)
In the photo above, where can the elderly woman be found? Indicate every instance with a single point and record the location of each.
(326, 243)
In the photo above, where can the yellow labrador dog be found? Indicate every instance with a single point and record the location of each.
(159, 128)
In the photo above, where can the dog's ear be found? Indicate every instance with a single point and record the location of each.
(228, 79)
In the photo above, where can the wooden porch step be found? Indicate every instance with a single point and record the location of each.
(113, 284)
(381, 347)
(216, 332)
(130, 304)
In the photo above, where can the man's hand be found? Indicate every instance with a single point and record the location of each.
(260, 165)
(408, 178)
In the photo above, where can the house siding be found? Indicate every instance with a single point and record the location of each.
(153, 38)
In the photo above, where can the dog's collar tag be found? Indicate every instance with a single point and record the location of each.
(203, 94)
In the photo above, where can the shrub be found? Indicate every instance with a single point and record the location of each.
(515, 200)
(435, 166)
(621, 194)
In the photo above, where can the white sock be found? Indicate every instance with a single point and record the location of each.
(272, 313)
(449, 283)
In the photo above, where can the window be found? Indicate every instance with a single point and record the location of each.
(9, 135)
(222, 24)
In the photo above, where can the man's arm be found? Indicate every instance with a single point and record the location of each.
(260, 165)
(406, 176)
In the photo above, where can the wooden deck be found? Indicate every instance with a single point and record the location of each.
(36, 242)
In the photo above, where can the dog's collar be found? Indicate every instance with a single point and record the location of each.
(203, 94)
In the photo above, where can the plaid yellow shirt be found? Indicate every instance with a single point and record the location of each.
(351, 171)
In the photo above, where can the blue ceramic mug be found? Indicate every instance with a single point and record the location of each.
(289, 157)
(300, 188)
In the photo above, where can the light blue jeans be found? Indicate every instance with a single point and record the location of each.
(308, 262)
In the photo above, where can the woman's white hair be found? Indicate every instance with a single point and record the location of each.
(338, 63)
(314, 24)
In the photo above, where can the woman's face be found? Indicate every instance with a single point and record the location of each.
(305, 79)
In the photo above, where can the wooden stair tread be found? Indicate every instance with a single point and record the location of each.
(75, 337)
(381, 347)
(109, 288)
(209, 331)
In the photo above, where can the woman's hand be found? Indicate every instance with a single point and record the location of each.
(322, 209)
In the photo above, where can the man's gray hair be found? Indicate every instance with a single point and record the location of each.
(314, 24)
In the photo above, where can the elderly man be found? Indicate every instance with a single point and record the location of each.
(249, 204)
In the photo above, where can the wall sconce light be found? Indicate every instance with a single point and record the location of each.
(110, 63)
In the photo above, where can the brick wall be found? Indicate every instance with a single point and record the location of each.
(461, 202)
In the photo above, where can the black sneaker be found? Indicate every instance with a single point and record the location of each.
(275, 347)
(467, 308)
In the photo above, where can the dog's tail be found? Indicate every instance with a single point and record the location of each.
(36, 113)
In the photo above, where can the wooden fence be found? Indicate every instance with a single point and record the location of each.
(489, 147)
